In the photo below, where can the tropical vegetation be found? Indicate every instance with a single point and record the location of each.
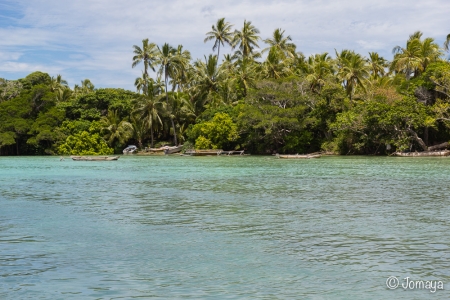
(262, 96)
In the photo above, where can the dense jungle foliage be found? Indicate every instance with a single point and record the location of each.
(273, 100)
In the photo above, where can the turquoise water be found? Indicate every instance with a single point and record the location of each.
(223, 227)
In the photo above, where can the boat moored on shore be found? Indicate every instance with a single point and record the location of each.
(297, 156)
(174, 149)
(207, 152)
(423, 154)
(94, 158)
(131, 149)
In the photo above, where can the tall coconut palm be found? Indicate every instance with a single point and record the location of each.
(149, 107)
(246, 39)
(353, 71)
(169, 64)
(416, 56)
(377, 64)
(281, 43)
(430, 52)
(318, 68)
(221, 34)
(181, 74)
(147, 54)
(208, 78)
(207, 75)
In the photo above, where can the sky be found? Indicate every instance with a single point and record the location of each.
(93, 38)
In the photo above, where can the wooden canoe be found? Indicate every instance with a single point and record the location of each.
(423, 154)
(203, 152)
(155, 150)
(297, 156)
(94, 158)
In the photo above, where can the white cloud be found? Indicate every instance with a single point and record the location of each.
(9, 56)
(93, 39)
(27, 68)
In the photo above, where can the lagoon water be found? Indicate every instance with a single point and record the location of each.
(223, 227)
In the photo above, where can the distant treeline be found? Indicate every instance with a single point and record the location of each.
(285, 103)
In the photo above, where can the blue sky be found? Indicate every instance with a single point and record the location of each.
(93, 39)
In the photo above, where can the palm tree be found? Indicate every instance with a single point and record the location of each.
(447, 42)
(274, 66)
(353, 71)
(377, 64)
(246, 39)
(245, 74)
(418, 54)
(181, 73)
(209, 79)
(221, 34)
(63, 95)
(58, 83)
(117, 131)
(146, 54)
(139, 129)
(299, 64)
(318, 68)
(281, 43)
(149, 107)
(141, 82)
(170, 63)
(182, 109)
(207, 75)
(86, 87)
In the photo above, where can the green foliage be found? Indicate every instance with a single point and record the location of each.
(93, 106)
(438, 75)
(84, 143)
(116, 131)
(217, 133)
(43, 130)
(9, 89)
(204, 143)
(378, 122)
(284, 102)
(35, 78)
(275, 116)
(7, 138)
(69, 127)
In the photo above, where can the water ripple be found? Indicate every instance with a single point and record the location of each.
(221, 227)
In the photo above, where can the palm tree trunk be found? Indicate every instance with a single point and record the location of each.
(171, 119)
(151, 136)
(146, 76)
(174, 132)
(218, 53)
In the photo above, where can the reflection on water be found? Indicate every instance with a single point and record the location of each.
(222, 227)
